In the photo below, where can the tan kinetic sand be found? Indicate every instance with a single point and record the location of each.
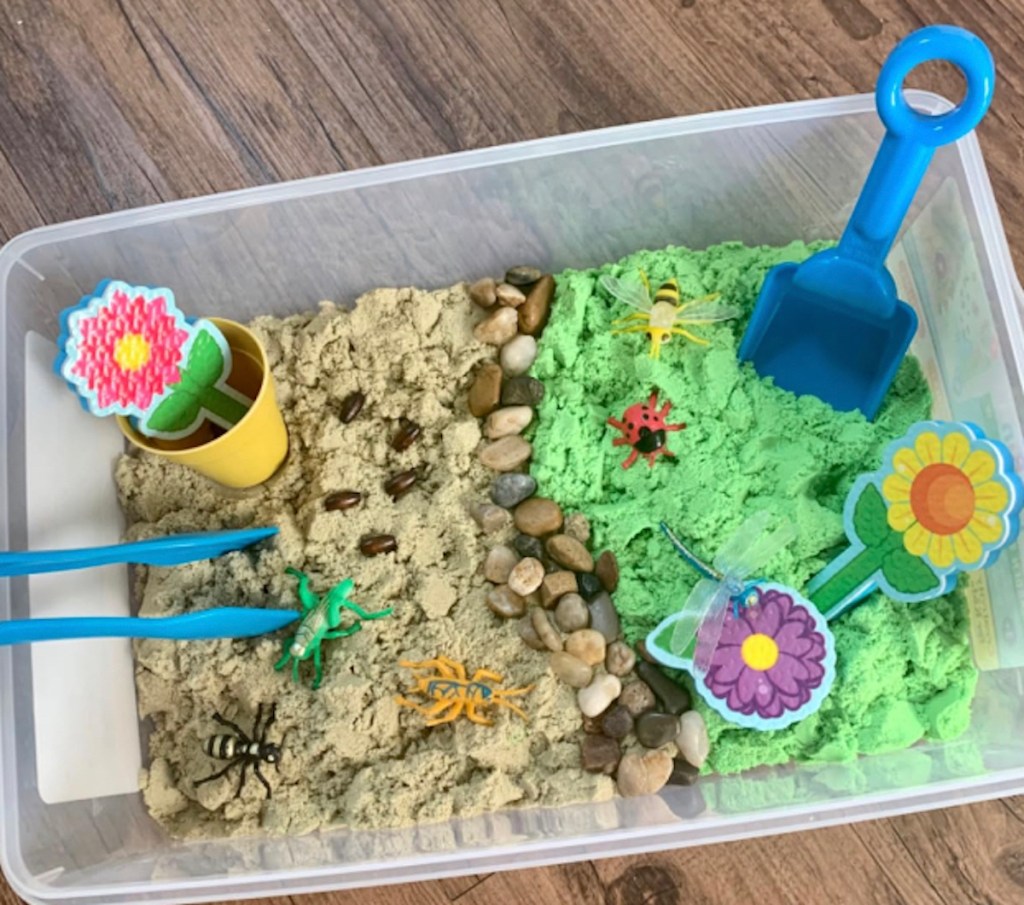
(351, 755)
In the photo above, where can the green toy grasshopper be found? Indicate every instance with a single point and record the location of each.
(321, 621)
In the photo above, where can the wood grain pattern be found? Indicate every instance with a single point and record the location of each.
(110, 104)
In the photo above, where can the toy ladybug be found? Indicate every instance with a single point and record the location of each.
(643, 427)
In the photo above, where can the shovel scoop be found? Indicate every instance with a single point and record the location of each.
(834, 326)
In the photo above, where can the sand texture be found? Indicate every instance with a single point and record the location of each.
(351, 755)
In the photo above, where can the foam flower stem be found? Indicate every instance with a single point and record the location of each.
(128, 350)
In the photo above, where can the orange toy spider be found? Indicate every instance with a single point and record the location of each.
(451, 691)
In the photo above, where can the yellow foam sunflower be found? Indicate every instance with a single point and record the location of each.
(946, 494)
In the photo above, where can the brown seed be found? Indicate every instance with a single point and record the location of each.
(375, 544)
(607, 569)
(351, 406)
(342, 500)
(486, 390)
(533, 313)
(400, 484)
(408, 433)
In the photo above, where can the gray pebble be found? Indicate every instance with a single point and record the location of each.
(599, 754)
(619, 659)
(617, 722)
(603, 616)
(637, 698)
(522, 275)
(509, 490)
(656, 729)
(529, 546)
(674, 698)
(522, 391)
(571, 614)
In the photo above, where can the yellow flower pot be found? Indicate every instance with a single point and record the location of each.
(251, 451)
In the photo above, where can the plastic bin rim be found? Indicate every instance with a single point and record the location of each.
(790, 111)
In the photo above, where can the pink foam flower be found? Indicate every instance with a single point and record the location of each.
(124, 349)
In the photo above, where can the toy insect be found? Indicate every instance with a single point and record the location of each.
(321, 621)
(643, 427)
(724, 583)
(450, 690)
(249, 751)
(663, 315)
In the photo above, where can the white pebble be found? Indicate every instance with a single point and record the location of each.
(518, 354)
(692, 740)
(597, 697)
(526, 576)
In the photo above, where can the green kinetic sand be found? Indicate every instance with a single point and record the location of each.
(904, 673)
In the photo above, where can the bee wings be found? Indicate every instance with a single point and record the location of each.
(632, 294)
(706, 310)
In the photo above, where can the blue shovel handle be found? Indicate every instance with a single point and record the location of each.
(911, 137)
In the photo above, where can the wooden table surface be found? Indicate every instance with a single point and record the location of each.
(110, 104)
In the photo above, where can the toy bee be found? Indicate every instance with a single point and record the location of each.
(662, 316)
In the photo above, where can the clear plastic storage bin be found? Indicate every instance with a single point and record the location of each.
(73, 827)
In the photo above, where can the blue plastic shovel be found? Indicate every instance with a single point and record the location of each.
(834, 326)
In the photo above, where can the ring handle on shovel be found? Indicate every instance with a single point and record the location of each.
(912, 137)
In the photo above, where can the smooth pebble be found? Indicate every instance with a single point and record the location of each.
(537, 516)
(484, 292)
(599, 754)
(578, 526)
(491, 518)
(570, 553)
(619, 659)
(529, 634)
(617, 722)
(545, 630)
(497, 329)
(533, 314)
(588, 645)
(486, 389)
(499, 563)
(683, 773)
(529, 546)
(571, 615)
(643, 774)
(522, 391)
(674, 698)
(506, 454)
(589, 585)
(518, 354)
(598, 695)
(522, 275)
(555, 586)
(692, 739)
(655, 729)
(526, 576)
(506, 603)
(507, 421)
(570, 669)
(638, 698)
(603, 616)
(510, 489)
(510, 296)
(607, 570)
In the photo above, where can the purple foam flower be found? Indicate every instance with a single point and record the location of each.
(769, 659)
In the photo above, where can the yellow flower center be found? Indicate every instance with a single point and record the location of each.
(131, 352)
(942, 499)
(760, 652)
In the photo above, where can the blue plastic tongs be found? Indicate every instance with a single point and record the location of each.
(220, 622)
